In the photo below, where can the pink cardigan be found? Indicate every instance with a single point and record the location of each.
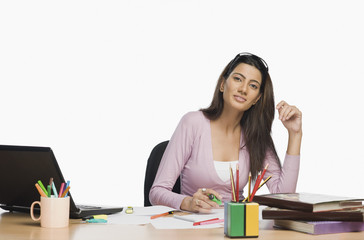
(189, 155)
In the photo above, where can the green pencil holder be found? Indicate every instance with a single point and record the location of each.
(241, 219)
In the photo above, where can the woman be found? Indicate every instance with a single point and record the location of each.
(235, 128)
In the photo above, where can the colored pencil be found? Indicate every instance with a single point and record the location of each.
(257, 183)
(237, 183)
(261, 185)
(265, 169)
(232, 185)
(266, 180)
(250, 183)
(255, 186)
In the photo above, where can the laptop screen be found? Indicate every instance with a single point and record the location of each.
(20, 168)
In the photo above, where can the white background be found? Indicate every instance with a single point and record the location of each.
(102, 82)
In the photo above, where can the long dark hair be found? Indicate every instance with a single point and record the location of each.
(257, 121)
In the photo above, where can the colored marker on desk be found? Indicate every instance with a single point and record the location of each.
(101, 216)
(96, 221)
(212, 222)
(161, 215)
(205, 221)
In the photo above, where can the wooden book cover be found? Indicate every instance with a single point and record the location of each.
(308, 202)
(352, 215)
(325, 227)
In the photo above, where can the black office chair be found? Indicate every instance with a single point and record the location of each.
(151, 170)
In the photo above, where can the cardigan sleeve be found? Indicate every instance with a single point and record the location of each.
(173, 161)
(284, 180)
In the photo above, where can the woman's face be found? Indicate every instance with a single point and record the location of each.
(242, 88)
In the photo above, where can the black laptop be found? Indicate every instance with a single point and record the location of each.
(21, 167)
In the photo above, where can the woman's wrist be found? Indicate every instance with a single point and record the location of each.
(295, 134)
(294, 142)
(186, 203)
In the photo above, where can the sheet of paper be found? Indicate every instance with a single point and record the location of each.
(174, 223)
(197, 217)
(150, 211)
(186, 221)
(140, 215)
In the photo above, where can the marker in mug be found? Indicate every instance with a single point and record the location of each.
(41, 192)
(49, 190)
(61, 189)
(54, 190)
(65, 192)
(42, 187)
(68, 183)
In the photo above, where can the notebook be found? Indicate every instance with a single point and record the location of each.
(347, 215)
(21, 167)
(320, 227)
(308, 202)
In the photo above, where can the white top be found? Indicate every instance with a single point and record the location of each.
(223, 169)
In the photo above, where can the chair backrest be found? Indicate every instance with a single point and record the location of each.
(151, 171)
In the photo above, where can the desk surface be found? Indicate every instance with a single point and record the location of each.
(20, 226)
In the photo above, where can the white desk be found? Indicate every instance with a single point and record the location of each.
(19, 226)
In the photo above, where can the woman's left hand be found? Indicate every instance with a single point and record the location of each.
(290, 116)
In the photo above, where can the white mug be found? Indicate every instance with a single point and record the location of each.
(54, 212)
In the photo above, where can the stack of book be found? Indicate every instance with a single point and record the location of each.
(313, 213)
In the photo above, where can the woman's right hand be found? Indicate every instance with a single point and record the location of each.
(200, 201)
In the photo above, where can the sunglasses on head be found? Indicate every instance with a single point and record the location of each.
(251, 55)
